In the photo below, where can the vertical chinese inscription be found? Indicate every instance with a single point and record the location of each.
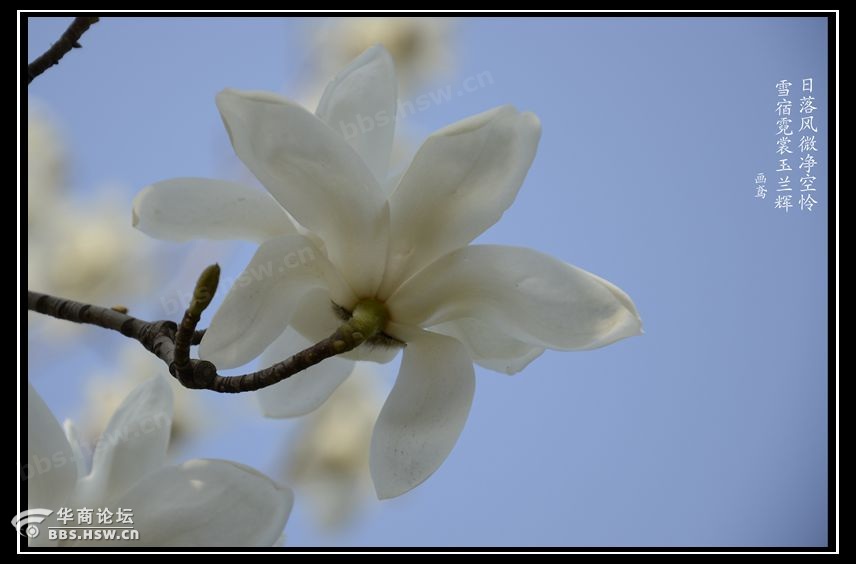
(796, 149)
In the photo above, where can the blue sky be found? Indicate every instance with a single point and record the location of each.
(708, 430)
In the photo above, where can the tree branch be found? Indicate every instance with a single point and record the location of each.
(171, 343)
(67, 41)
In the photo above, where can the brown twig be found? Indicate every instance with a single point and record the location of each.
(67, 41)
(171, 343)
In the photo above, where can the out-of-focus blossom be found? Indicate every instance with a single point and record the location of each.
(47, 162)
(80, 248)
(88, 252)
(327, 462)
(420, 47)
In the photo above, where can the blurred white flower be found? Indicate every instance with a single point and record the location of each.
(83, 250)
(46, 167)
(396, 246)
(327, 462)
(198, 503)
(105, 392)
(88, 252)
(420, 47)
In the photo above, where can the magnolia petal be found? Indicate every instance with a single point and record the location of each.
(460, 182)
(621, 296)
(199, 208)
(206, 503)
(526, 295)
(133, 444)
(81, 456)
(305, 391)
(50, 468)
(316, 176)
(315, 318)
(423, 415)
(489, 347)
(360, 103)
(260, 304)
(390, 185)
(374, 353)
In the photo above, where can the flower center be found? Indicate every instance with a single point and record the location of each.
(369, 317)
(368, 321)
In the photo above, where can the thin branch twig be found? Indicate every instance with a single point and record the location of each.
(171, 343)
(202, 295)
(67, 41)
(159, 338)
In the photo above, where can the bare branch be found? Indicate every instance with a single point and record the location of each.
(171, 343)
(67, 41)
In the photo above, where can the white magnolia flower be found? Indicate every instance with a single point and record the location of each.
(395, 242)
(198, 503)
